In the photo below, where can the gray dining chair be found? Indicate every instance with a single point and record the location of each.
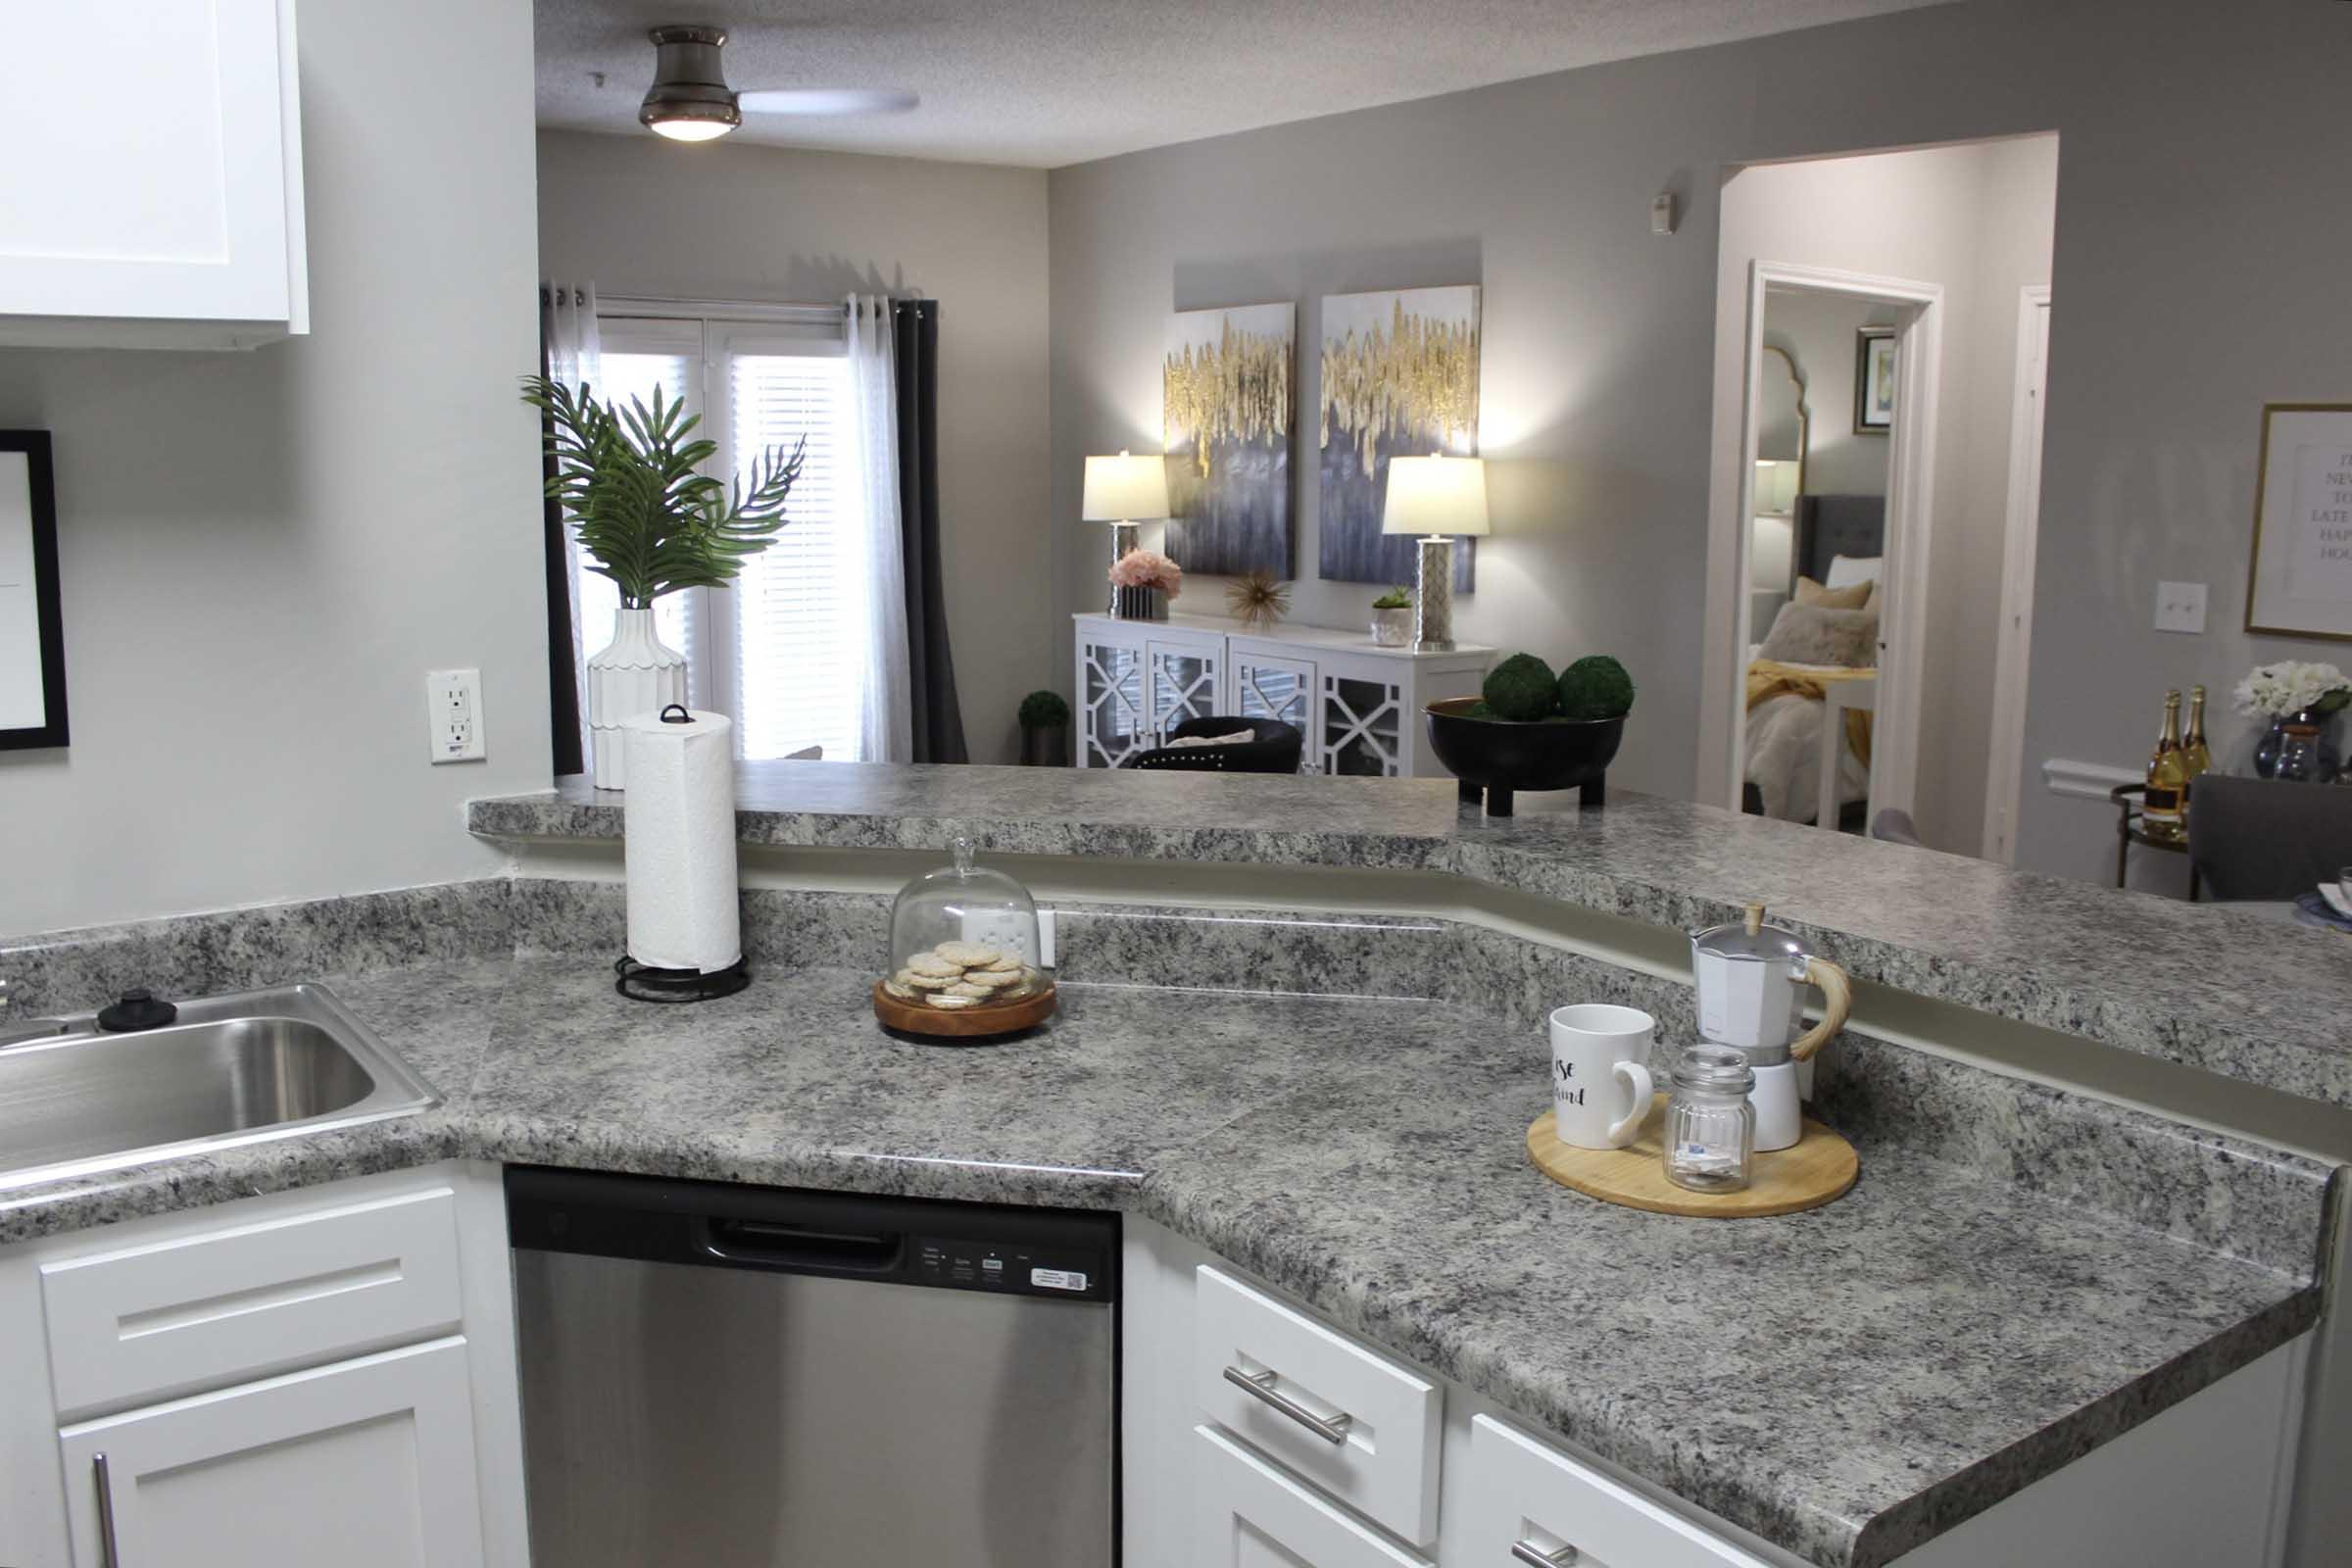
(2254, 838)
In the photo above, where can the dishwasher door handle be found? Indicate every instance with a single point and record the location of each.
(781, 1243)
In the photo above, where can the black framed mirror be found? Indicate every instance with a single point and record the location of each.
(32, 634)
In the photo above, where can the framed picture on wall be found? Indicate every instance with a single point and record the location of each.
(2300, 582)
(33, 638)
(1873, 380)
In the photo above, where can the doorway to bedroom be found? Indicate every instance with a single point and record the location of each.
(1859, 547)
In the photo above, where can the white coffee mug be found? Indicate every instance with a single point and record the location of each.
(1600, 1088)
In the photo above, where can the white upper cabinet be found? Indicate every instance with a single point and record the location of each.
(152, 195)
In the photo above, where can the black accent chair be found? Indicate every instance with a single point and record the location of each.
(1274, 747)
(2256, 838)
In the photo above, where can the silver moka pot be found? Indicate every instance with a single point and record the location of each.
(1751, 980)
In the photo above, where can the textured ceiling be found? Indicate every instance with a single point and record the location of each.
(1047, 83)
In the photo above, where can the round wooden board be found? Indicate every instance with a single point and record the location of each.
(964, 1023)
(1819, 1167)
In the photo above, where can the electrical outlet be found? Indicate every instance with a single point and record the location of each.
(452, 700)
(2180, 607)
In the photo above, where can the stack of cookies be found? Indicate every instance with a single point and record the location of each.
(962, 974)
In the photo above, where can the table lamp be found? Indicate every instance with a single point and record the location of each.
(1436, 497)
(1123, 491)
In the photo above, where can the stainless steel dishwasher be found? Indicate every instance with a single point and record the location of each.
(741, 1377)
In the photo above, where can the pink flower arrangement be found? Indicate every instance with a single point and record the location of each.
(1148, 568)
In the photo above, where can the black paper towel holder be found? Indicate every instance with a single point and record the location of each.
(642, 982)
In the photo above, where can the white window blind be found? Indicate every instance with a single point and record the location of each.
(799, 606)
(783, 651)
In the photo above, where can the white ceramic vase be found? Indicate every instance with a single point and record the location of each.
(634, 674)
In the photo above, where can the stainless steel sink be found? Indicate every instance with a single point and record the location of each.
(229, 1071)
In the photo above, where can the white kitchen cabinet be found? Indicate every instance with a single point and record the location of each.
(1357, 705)
(364, 1464)
(152, 196)
(322, 1375)
(2205, 1482)
(1251, 1516)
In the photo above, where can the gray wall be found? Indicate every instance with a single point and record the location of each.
(635, 215)
(262, 553)
(2191, 265)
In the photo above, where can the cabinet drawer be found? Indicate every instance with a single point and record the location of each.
(1251, 1515)
(1378, 1447)
(220, 1305)
(1525, 1492)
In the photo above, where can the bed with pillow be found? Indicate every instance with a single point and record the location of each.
(1827, 633)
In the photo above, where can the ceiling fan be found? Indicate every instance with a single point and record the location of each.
(690, 99)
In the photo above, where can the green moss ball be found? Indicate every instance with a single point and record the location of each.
(1595, 687)
(1520, 689)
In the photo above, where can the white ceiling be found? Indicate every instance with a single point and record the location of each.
(1047, 82)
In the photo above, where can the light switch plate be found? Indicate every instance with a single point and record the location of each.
(2180, 607)
(453, 701)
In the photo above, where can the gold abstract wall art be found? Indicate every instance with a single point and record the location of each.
(1399, 378)
(1227, 414)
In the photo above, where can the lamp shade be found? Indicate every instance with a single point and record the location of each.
(1438, 495)
(1125, 488)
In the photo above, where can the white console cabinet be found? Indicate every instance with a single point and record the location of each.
(152, 195)
(1358, 705)
(318, 1376)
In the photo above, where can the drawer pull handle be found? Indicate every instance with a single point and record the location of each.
(1331, 1429)
(1526, 1551)
(107, 1557)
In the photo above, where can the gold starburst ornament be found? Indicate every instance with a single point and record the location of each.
(1258, 600)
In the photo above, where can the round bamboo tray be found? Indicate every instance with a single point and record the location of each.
(964, 1023)
(1818, 1167)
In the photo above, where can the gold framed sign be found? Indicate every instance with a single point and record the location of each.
(2300, 581)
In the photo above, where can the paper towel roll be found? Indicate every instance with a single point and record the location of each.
(679, 841)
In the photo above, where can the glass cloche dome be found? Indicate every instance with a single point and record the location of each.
(964, 940)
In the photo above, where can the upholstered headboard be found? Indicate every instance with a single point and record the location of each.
(1829, 527)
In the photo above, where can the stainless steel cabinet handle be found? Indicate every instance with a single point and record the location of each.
(106, 1512)
(1331, 1429)
(1526, 1552)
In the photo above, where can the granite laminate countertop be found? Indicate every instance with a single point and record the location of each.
(1898, 1362)
(2207, 986)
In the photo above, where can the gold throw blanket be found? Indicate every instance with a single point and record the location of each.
(1769, 678)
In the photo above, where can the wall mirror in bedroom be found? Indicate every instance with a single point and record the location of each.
(1866, 528)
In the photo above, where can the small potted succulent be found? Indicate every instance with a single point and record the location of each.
(1529, 730)
(1393, 617)
(1044, 730)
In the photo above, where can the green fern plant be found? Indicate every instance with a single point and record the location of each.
(631, 482)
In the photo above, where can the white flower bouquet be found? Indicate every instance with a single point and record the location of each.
(2276, 691)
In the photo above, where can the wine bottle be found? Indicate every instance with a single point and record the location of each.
(2195, 756)
(2160, 813)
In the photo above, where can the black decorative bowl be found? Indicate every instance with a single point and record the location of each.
(1494, 757)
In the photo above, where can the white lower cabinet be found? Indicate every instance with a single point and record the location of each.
(312, 1377)
(1218, 1477)
(1251, 1514)
(364, 1465)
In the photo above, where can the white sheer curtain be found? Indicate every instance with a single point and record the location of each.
(574, 359)
(888, 724)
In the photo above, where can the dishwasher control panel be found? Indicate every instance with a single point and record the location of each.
(1015, 1268)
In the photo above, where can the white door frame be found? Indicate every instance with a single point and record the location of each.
(2006, 752)
(1910, 520)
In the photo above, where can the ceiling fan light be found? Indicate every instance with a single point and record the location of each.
(689, 100)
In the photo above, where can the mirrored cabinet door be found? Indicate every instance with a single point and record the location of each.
(1112, 717)
(1362, 726)
(1185, 682)
(1268, 687)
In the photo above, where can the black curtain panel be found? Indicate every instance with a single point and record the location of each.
(938, 720)
(562, 680)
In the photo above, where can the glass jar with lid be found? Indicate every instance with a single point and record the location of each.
(1709, 1139)
(963, 952)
